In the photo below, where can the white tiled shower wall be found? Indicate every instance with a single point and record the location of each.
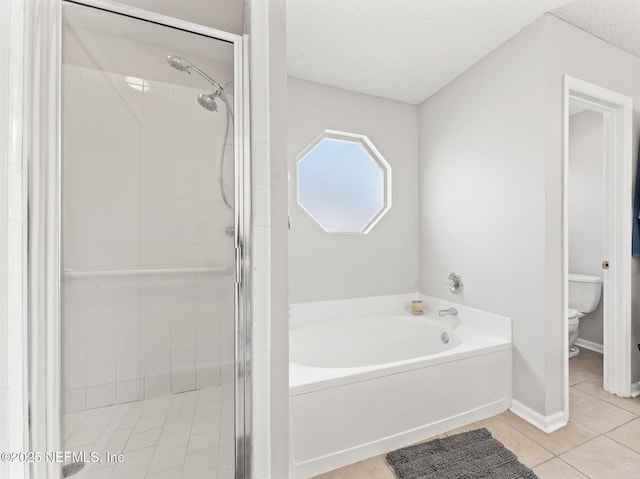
(12, 331)
(140, 191)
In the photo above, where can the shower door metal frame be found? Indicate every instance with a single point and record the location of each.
(44, 66)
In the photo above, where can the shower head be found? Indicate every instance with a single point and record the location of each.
(179, 63)
(208, 100)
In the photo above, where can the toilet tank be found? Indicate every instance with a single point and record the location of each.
(584, 292)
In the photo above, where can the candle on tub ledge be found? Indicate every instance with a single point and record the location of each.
(416, 307)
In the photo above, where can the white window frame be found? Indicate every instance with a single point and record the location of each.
(375, 155)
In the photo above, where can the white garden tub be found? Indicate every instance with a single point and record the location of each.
(361, 386)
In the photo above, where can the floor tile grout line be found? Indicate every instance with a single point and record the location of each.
(575, 447)
(220, 430)
(141, 449)
(623, 424)
(575, 468)
(558, 456)
(622, 444)
(193, 420)
(107, 432)
(197, 395)
(564, 462)
(525, 434)
(608, 402)
(604, 435)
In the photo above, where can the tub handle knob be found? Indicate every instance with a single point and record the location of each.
(454, 282)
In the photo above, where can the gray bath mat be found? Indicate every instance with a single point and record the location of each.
(470, 455)
(71, 469)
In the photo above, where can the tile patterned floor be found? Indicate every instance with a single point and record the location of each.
(182, 436)
(601, 441)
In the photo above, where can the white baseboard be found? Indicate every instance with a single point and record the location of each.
(590, 345)
(546, 424)
(635, 389)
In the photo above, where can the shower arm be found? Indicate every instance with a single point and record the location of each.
(216, 85)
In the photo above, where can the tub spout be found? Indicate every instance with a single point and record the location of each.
(448, 312)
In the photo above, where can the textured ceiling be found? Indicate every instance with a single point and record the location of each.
(615, 21)
(408, 49)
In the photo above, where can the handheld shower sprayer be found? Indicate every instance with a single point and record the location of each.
(208, 102)
(179, 63)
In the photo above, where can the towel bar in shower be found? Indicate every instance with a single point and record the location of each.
(69, 274)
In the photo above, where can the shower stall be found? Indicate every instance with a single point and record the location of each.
(151, 285)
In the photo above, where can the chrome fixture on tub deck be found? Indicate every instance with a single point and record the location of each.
(448, 312)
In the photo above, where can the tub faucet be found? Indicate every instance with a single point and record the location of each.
(448, 312)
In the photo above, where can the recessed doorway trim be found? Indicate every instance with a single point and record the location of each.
(617, 115)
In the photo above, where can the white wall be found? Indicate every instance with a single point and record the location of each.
(482, 184)
(586, 207)
(225, 15)
(571, 51)
(323, 266)
(13, 432)
(491, 190)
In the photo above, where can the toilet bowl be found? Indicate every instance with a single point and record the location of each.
(584, 297)
(574, 322)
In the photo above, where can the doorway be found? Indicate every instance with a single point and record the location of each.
(612, 111)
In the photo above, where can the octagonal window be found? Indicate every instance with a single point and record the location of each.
(344, 183)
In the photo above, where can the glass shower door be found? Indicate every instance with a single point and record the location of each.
(148, 322)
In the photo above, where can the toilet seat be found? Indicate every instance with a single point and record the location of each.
(575, 314)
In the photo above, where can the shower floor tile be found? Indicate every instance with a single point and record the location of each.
(181, 436)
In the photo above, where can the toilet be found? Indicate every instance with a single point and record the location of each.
(584, 296)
